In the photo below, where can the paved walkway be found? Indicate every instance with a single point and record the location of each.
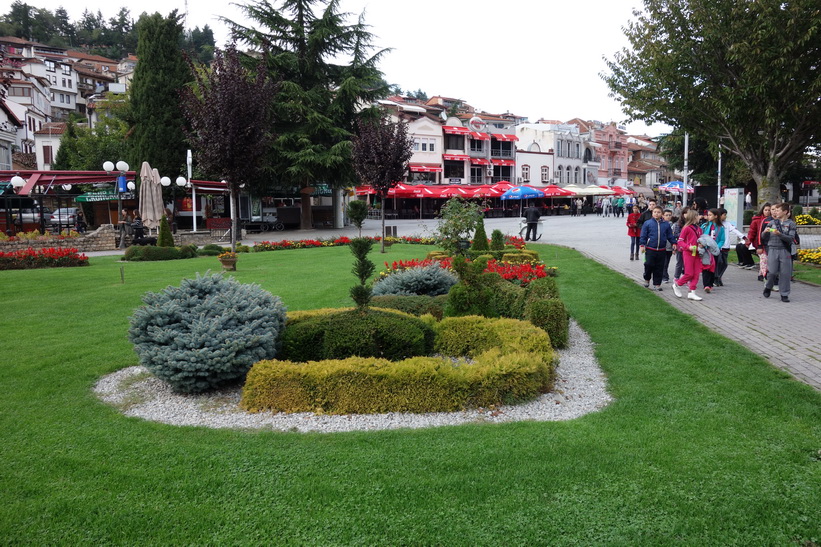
(738, 310)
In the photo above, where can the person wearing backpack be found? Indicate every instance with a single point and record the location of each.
(716, 232)
(688, 246)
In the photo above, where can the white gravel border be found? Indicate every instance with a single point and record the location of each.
(581, 388)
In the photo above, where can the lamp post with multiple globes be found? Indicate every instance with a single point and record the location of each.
(121, 186)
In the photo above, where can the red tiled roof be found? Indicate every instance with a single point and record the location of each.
(52, 128)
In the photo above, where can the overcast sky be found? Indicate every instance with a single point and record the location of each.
(534, 59)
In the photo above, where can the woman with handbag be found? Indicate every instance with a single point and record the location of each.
(634, 231)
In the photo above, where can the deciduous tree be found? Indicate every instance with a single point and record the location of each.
(746, 72)
(381, 151)
(228, 112)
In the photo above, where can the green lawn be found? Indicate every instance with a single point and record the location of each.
(705, 444)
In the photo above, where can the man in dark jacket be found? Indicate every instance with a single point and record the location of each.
(532, 216)
(647, 214)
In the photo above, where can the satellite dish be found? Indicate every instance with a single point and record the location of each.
(443, 115)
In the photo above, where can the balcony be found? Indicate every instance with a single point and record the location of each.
(615, 173)
(497, 153)
(616, 145)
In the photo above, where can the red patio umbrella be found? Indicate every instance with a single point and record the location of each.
(451, 191)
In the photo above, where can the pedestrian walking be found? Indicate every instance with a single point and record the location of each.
(655, 236)
(532, 216)
(669, 248)
(689, 247)
(779, 238)
(634, 231)
(715, 231)
(757, 225)
(730, 232)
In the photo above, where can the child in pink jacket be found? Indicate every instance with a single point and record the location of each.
(688, 246)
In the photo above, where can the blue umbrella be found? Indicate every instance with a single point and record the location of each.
(522, 192)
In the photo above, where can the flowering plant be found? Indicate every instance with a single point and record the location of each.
(44, 258)
(522, 273)
(810, 256)
(227, 254)
(804, 220)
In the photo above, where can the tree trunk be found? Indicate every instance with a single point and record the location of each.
(306, 219)
(768, 186)
(382, 238)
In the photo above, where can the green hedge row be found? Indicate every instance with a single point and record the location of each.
(508, 361)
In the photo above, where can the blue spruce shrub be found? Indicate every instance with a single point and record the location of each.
(207, 332)
(430, 280)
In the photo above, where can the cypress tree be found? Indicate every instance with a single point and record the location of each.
(160, 74)
(165, 238)
(480, 237)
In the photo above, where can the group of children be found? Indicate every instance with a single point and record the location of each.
(701, 241)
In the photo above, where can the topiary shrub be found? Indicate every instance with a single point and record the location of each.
(206, 332)
(542, 288)
(362, 269)
(510, 362)
(151, 253)
(797, 210)
(188, 251)
(430, 280)
(748, 216)
(550, 315)
(413, 304)
(480, 237)
(212, 249)
(364, 333)
(165, 237)
(497, 240)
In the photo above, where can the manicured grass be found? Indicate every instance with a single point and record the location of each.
(705, 444)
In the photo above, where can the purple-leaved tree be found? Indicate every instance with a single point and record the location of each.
(228, 113)
(381, 151)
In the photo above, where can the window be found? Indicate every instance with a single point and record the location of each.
(559, 174)
(50, 66)
(576, 175)
(526, 173)
(545, 174)
(424, 145)
(578, 146)
(64, 82)
(53, 80)
(559, 147)
(62, 98)
(69, 83)
(454, 142)
(417, 143)
(20, 91)
(47, 155)
(477, 145)
(66, 70)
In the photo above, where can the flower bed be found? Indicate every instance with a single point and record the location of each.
(311, 243)
(521, 274)
(810, 256)
(806, 220)
(35, 235)
(52, 257)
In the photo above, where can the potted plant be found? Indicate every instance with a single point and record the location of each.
(228, 259)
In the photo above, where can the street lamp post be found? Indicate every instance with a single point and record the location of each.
(165, 181)
(121, 186)
(17, 182)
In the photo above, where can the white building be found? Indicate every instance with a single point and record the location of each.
(551, 153)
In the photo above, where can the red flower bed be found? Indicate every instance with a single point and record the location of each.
(44, 258)
(515, 273)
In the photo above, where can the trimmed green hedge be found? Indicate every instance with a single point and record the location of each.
(364, 333)
(509, 362)
(413, 304)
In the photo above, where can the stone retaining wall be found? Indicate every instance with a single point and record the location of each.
(104, 238)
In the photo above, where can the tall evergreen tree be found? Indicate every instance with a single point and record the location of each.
(161, 73)
(320, 98)
(228, 110)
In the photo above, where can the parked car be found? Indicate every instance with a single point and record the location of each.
(66, 216)
(29, 215)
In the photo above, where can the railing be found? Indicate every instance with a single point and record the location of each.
(617, 145)
(497, 153)
(615, 173)
(476, 180)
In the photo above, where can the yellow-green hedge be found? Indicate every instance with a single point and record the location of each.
(509, 361)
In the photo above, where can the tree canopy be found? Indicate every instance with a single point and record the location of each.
(229, 137)
(744, 72)
(327, 73)
(381, 151)
(157, 135)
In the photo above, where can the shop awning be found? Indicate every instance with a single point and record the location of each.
(479, 161)
(504, 137)
(456, 157)
(479, 136)
(455, 130)
(425, 168)
(506, 163)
